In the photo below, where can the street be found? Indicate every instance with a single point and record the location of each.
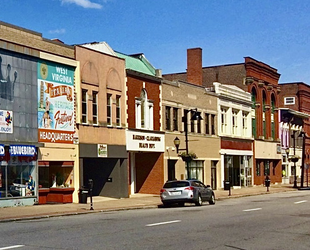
(273, 221)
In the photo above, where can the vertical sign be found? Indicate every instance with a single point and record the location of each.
(56, 117)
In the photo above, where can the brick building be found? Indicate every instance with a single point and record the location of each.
(294, 101)
(261, 81)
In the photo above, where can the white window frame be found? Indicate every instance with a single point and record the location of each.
(235, 121)
(95, 107)
(148, 106)
(109, 108)
(224, 112)
(84, 102)
(289, 100)
(245, 123)
(118, 111)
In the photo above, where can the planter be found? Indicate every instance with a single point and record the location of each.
(43, 192)
(187, 158)
(60, 195)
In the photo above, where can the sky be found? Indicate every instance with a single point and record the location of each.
(276, 32)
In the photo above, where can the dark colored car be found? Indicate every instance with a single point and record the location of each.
(186, 191)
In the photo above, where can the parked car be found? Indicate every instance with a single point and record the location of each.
(186, 191)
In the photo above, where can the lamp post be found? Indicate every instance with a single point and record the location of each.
(294, 159)
(304, 137)
(195, 117)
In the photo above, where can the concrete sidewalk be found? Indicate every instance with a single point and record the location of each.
(104, 204)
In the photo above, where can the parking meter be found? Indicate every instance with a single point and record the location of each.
(90, 186)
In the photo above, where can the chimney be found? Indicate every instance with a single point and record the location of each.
(194, 66)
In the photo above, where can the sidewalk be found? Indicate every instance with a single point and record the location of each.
(103, 204)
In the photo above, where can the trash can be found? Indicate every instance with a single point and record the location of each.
(267, 183)
(226, 185)
(83, 193)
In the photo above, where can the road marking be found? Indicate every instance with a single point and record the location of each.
(161, 223)
(11, 247)
(253, 209)
(298, 202)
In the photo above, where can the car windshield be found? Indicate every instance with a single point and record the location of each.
(175, 184)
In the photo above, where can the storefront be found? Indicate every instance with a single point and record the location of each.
(18, 175)
(146, 154)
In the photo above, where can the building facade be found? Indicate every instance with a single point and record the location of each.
(101, 121)
(261, 81)
(198, 137)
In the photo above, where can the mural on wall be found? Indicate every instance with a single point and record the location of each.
(6, 84)
(56, 119)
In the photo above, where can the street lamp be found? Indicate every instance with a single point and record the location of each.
(195, 117)
(294, 159)
(304, 137)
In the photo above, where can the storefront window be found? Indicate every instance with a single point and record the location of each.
(18, 179)
(196, 170)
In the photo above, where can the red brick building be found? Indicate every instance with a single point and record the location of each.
(296, 97)
(261, 80)
(144, 140)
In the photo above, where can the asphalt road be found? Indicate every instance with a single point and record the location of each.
(273, 221)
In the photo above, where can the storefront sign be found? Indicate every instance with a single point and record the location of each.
(6, 121)
(55, 102)
(2, 150)
(22, 150)
(140, 141)
(102, 150)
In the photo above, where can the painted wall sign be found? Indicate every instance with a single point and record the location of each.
(56, 117)
(22, 150)
(6, 121)
(140, 141)
(102, 150)
(2, 150)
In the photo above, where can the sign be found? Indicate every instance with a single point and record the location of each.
(144, 141)
(56, 118)
(102, 150)
(22, 150)
(6, 121)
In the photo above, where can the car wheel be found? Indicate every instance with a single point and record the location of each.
(212, 199)
(165, 204)
(181, 204)
(199, 201)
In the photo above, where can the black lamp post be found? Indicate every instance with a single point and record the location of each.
(304, 137)
(195, 117)
(294, 159)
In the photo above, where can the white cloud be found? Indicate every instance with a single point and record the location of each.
(84, 3)
(57, 31)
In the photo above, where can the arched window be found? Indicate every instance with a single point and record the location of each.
(254, 125)
(144, 111)
(264, 114)
(273, 126)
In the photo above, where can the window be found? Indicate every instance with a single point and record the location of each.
(235, 122)
(95, 107)
(198, 126)
(244, 123)
(175, 119)
(212, 124)
(144, 111)
(257, 168)
(207, 124)
(84, 106)
(266, 168)
(223, 120)
(109, 109)
(192, 122)
(196, 170)
(289, 100)
(118, 111)
(168, 118)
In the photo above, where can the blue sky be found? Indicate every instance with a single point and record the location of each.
(276, 32)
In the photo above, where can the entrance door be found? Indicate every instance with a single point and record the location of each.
(171, 169)
(213, 175)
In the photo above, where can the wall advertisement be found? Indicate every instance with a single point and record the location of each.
(56, 118)
(6, 121)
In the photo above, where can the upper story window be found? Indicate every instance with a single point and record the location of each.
(84, 106)
(244, 123)
(175, 119)
(192, 121)
(144, 112)
(234, 122)
(207, 123)
(289, 100)
(109, 109)
(224, 120)
(212, 124)
(95, 107)
(168, 118)
(118, 110)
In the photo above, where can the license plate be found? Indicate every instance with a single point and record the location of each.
(176, 193)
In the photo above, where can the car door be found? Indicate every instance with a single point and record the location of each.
(202, 190)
